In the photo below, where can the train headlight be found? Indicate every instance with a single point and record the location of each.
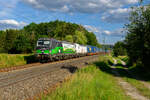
(42, 51)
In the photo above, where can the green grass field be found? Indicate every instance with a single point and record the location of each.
(11, 60)
(90, 83)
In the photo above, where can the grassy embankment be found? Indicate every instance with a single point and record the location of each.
(11, 60)
(124, 58)
(90, 83)
(132, 78)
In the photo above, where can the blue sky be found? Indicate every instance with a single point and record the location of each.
(105, 18)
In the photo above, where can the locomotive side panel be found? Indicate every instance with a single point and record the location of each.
(68, 47)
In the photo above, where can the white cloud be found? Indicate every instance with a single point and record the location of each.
(7, 7)
(98, 31)
(10, 23)
(112, 11)
(50, 5)
(132, 1)
(119, 15)
(91, 28)
(110, 36)
(117, 32)
(107, 32)
(82, 6)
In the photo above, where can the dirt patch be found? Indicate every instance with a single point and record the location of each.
(128, 88)
(146, 84)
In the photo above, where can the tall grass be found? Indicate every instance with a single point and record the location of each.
(124, 58)
(10, 60)
(89, 84)
(109, 60)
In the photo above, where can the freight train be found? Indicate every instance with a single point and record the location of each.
(48, 49)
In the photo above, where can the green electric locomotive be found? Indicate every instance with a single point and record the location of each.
(52, 49)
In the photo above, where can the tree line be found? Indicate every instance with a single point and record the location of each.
(137, 41)
(24, 40)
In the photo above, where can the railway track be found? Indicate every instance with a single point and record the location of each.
(34, 80)
(31, 65)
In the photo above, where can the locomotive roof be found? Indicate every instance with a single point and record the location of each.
(67, 42)
(44, 39)
(58, 41)
(48, 39)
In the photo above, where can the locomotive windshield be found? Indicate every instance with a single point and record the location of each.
(43, 43)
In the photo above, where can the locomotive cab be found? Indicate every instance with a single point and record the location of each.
(43, 46)
(47, 48)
